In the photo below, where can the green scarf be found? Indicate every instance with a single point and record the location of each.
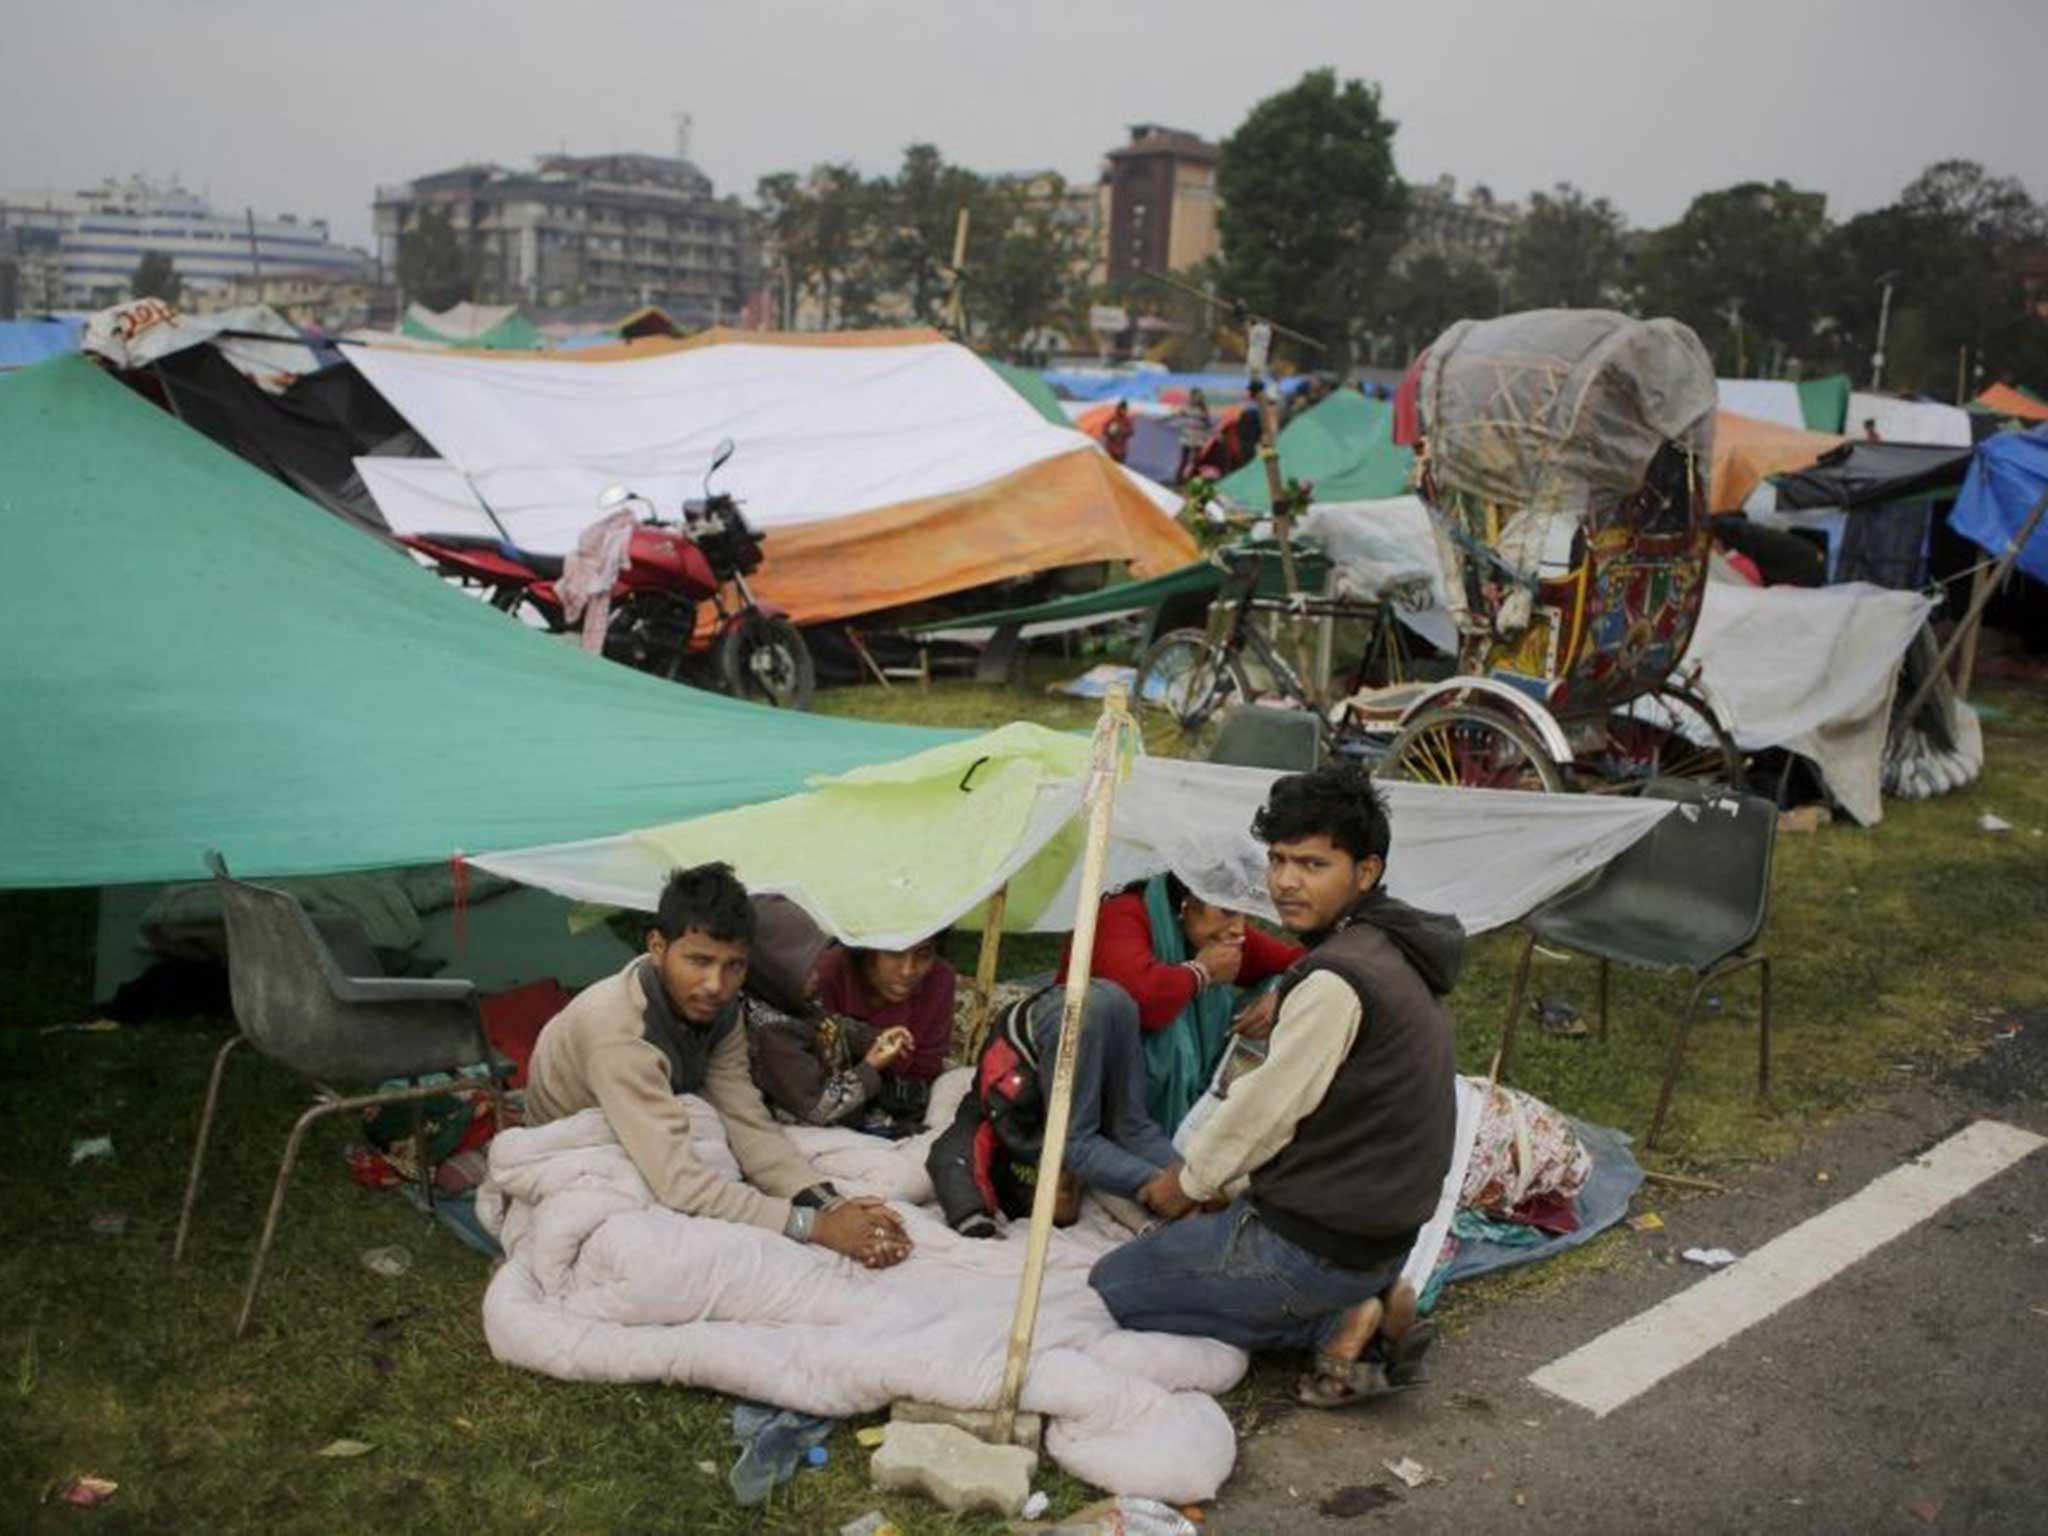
(1181, 1057)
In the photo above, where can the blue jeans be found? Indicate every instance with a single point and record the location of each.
(1227, 1275)
(1112, 1143)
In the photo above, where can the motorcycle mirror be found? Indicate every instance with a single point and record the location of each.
(724, 450)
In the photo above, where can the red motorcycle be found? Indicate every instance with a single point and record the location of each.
(743, 647)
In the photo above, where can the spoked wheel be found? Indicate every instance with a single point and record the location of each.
(764, 658)
(1465, 746)
(1184, 684)
(1673, 734)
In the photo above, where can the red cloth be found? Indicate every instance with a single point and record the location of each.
(927, 1013)
(1124, 955)
(513, 1020)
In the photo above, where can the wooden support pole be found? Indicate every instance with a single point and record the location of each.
(1103, 770)
(1966, 663)
(985, 972)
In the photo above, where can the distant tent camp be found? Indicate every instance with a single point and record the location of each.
(1748, 452)
(250, 676)
(492, 327)
(887, 467)
(2008, 474)
(31, 339)
(1818, 405)
(1344, 443)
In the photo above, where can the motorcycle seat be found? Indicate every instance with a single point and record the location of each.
(547, 567)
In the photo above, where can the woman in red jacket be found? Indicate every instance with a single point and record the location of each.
(890, 988)
(1186, 964)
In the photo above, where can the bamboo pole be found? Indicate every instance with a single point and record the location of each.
(1966, 665)
(985, 972)
(1060, 1097)
(1970, 621)
(1283, 530)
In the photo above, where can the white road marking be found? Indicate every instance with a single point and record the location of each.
(1628, 1360)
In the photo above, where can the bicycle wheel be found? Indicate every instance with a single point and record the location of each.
(1676, 737)
(1184, 684)
(1469, 747)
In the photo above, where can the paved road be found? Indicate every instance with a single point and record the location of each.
(1907, 1394)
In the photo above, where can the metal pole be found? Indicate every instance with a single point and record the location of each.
(1103, 769)
(1884, 315)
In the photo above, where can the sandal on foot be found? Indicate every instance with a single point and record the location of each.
(1402, 1357)
(1340, 1383)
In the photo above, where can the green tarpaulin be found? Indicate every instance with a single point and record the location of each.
(1345, 445)
(1824, 402)
(1124, 596)
(196, 657)
(515, 333)
(1030, 383)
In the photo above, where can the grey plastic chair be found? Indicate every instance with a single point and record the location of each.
(335, 1026)
(1691, 895)
(1261, 736)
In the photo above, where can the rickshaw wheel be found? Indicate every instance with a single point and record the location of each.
(1640, 750)
(1184, 684)
(1469, 747)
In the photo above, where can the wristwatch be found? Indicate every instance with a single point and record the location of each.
(802, 1218)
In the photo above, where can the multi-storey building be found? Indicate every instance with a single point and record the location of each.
(101, 235)
(1162, 202)
(619, 229)
(1476, 227)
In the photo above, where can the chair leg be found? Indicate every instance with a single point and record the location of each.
(1514, 1019)
(1692, 1008)
(284, 1175)
(220, 1062)
(284, 1178)
(1763, 1029)
(1606, 968)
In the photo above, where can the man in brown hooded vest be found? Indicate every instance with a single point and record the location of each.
(1303, 1190)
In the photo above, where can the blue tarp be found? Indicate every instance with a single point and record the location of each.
(2008, 474)
(26, 342)
(1149, 384)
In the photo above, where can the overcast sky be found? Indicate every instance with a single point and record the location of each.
(305, 106)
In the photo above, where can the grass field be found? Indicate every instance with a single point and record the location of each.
(1892, 944)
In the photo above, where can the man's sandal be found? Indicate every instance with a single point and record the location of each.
(1340, 1383)
(1403, 1356)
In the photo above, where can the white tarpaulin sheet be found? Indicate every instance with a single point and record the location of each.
(1909, 421)
(1763, 399)
(1486, 856)
(822, 432)
(139, 332)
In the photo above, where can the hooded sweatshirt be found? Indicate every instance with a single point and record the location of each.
(1343, 1136)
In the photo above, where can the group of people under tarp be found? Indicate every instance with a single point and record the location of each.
(1213, 441)
(1302, 1178)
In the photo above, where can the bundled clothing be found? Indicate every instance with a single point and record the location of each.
(986, 1163)
(622, 1047)
(1140, 946)
(1333, 1152)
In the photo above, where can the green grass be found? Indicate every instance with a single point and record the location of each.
(1888, 942)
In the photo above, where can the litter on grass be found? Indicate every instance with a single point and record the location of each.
(1713, 1258)
(1411, 1472)
(342, 1450)
(388, 1262)
(85, 1492)
(90, 1148)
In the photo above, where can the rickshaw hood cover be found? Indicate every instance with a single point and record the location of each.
(1554, 408)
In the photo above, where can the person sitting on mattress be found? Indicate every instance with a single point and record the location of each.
(814, 1064)
(911, 989)
(1186, 964)
(1304, 1189)
(672, 1022)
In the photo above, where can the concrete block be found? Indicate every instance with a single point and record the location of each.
(1027, 1431)
(953, 1468)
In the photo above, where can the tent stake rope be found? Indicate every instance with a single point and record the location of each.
(1103, 771)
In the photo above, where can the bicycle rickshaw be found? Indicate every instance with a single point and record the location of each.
(1563, 455)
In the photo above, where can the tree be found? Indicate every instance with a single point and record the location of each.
(1745, 268)
(156, 277)
(1431, 292)
(1311, 208)
(920, 212)
(433, 267)
(824, 226)
(1568, 252)
(1026, 276)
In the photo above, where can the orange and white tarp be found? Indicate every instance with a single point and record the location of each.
(2004, 400)
(1747, 452)
(885, 468)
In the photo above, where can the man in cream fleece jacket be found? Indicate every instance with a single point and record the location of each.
(671, 1023)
